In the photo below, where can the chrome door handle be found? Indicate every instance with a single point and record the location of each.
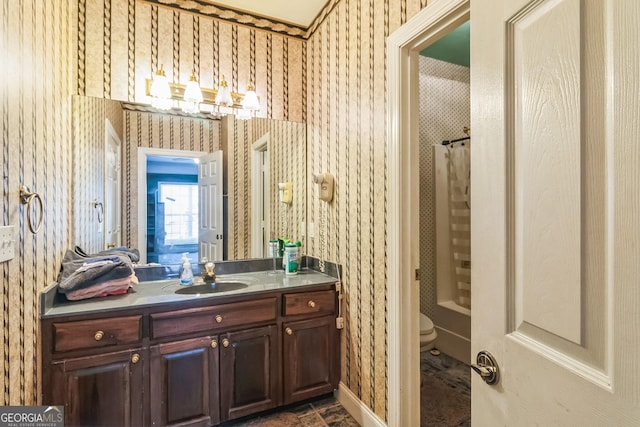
(487, 367)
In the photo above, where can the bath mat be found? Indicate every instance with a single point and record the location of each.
(443, 405)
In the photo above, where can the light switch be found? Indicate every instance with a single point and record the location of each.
(312, 230)
(303, 229)
(7, 242)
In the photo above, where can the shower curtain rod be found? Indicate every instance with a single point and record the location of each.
(455, 140)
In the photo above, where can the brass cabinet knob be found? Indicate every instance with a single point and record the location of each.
(214, 343)
(225, 343)
(311, 303)
(135, 358)
(218, 318)
(288, 331)
(98, 335)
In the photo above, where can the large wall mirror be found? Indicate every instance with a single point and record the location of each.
(139, 177)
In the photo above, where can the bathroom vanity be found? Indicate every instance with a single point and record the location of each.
(157, 356)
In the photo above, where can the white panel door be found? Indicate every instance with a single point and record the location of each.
(210, 200)
(555, 94)
(112, 188)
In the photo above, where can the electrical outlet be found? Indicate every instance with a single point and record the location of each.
(7, 243)
(339, 322)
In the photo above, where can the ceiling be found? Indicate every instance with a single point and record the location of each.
(453, 47)
(300, 13)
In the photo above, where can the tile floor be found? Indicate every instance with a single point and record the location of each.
(324, 412)
(445, 391)
(445, 400)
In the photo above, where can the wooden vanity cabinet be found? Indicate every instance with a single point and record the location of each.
(100, 390)
(182, 373)
(310, 360)
(191, 364)
(310, 341)
(249, 372)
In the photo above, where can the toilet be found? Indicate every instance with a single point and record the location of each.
(428, 333)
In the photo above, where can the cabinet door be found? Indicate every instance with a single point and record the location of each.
(249, 372)
(101, 390)
(311, 361)
(184, 383)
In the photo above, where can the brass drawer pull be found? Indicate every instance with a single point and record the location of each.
(289, 331)
(311, 303)
(214, 343)
(225, 343)
(219, 318)
(98, 335)
(135, 358)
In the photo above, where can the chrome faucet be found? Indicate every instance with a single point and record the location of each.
(208, 275)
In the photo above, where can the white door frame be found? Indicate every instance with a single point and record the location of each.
(111, 137)
(143, 153)
(259, 199)
(403, 47)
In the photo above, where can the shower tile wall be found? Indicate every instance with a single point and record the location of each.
(444, 111)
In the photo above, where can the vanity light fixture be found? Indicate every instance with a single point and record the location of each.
(191, 96)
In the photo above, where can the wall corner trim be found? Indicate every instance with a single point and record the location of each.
(356, 407)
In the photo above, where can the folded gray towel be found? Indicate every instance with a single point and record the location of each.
(133, 254)
(79, 272)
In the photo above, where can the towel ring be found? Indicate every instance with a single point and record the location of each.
(26, 198)
(98, 205)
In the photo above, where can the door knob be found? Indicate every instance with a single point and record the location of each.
(487, 367)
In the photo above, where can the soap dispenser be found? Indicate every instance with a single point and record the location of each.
(186, 275)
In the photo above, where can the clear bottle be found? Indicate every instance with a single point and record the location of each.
(186, 276)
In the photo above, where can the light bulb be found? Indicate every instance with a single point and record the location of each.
(250, 101)
(160, 90)
(223, 97)
(192, 95)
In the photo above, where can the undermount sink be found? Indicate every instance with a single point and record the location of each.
(211, 288)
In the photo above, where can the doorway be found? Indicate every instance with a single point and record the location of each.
(167, 205)
(260, 206)
(112, 188)
(404, 45)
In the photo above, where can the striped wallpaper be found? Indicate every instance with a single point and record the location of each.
(346, 116)
(35, 111)
(88, 129)
(332, 79)
(287, 149)
(120, 43)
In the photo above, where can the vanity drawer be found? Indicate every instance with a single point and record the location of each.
(321, 302)
(209, 318)
(97, 333)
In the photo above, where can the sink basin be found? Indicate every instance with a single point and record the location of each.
(211, 288)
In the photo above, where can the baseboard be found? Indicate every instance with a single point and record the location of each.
(454, 345)
(358, 410)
